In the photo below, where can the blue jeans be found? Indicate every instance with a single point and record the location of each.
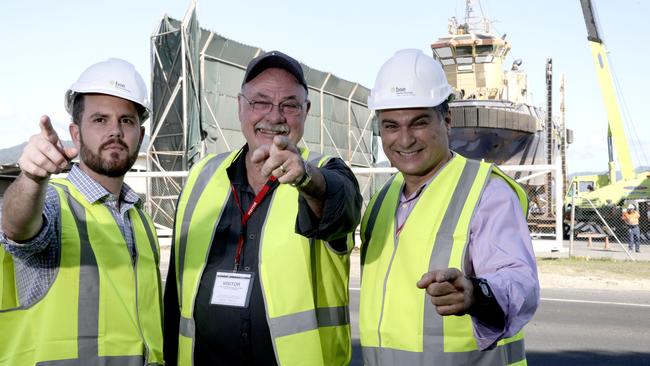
(635, 237)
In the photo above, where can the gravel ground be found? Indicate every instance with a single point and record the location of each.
(555, 271)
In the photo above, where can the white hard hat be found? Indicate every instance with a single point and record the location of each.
(114, 77)
(631, 207)
(409, 79)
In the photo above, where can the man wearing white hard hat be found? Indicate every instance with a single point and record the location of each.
(449, 274)
(85, 252)
(631, 218)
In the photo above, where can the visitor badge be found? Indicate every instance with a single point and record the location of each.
(232, 289)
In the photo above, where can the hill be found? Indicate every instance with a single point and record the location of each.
(10, 155)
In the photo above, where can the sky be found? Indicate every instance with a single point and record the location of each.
(47, 44)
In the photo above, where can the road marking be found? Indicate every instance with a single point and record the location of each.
(569, 300)
(596, 302)
(560, 300)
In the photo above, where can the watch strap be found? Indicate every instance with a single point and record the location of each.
(485, 307)
(306, 177)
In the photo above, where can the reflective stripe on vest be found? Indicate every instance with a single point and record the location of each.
(196, 223)
(8, 294)
(444, 340)
(55, 335)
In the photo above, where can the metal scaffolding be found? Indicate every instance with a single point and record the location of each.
(196, 77)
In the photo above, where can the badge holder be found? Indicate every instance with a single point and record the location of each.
(232, 289)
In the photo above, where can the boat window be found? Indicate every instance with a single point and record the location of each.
(465, 68)
(484, 50)
(464, 51)
(443, 52)
(484, 59)
(447, 61)
(464, 60)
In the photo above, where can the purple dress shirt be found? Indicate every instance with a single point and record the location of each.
(499, 250)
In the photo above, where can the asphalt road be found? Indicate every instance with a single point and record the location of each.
(571, 326)
(580, 327)
(574, 327)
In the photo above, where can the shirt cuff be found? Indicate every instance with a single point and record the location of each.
(308, 224)
(486, 336)
(26, 248)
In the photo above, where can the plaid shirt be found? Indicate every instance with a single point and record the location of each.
(36, 261)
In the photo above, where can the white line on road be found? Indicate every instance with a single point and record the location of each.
(596, 302)
(569, 300)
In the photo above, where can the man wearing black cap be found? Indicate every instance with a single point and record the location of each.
(259, 266)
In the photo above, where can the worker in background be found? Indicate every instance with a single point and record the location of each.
(449, 274)
(86, 254)
(260, 257)
(631, 218)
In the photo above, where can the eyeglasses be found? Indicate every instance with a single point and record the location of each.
(288, 108)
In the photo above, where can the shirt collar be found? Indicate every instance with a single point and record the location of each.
(237, 169)
(93, 191)
(416, 194)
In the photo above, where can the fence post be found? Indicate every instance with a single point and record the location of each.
(574, 190)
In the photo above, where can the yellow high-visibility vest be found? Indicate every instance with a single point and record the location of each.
(304, 282)
(398, 325)
(101, 309)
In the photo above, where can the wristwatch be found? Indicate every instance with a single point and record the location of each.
(306, 177)
(483, 297)
(482, 285)
(485, 306)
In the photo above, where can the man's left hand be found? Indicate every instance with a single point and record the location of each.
(451, 293)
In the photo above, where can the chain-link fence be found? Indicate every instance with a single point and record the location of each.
(627, 223)
(163, 189)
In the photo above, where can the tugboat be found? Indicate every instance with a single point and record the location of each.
(493, 118)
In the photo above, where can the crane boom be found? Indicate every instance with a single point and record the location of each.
(616, 131)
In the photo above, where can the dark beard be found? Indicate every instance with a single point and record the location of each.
(112, 168)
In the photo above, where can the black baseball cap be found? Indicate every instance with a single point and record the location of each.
(274, 59)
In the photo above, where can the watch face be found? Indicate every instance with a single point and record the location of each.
(485, 289)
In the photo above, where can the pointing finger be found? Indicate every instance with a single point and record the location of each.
(47, 130)
(439, 276)
(280, 142)
(449, 275)
(426, 280)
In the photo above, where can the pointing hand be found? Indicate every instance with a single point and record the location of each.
(44, 153)
(281, 159)
(451, 293)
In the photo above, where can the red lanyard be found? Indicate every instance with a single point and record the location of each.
(399, 229)
(246, 215)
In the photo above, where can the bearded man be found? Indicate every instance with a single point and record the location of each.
(85, 253)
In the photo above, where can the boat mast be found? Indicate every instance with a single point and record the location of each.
(563, 137)
(476, 23)
(549, 131)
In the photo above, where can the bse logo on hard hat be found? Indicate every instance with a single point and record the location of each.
(401, 91)
(117, 85)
